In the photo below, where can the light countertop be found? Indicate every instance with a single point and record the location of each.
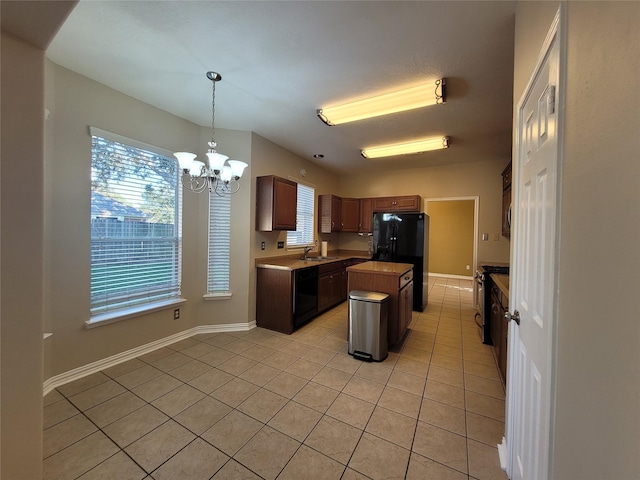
(384, 268)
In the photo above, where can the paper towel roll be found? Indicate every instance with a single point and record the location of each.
(323, 251)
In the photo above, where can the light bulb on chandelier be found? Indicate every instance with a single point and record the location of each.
(218, 174)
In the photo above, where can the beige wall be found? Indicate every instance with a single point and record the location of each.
(597, 425)
(451, 236)
(75, 102)
(22, 227)
(481, 179)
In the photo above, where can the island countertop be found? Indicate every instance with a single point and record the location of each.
(382, 268)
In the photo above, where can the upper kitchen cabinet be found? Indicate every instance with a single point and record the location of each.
(350, 215)
(366, 215)
(329, 213)
(276, 203)
(506, 201)
(406, 203)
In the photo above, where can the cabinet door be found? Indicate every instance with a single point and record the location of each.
(276, 203)
(337, 290)
(383, 204)
(494, 319)
(409, 203)
(324, 291)
(405, 305)
(336, 213)
(285, 198)
(366, 215)
(350, 215)
(502, 353)
(274, 299)
(329, 211)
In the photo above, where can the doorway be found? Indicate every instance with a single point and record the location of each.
(452, 236)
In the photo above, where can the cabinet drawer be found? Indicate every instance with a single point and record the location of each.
(405, 278)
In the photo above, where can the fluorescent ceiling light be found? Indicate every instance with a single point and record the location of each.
(418, 146)
(418, 96)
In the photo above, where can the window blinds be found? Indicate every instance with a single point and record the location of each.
(136, 237)
(304, 218)
(219, 243)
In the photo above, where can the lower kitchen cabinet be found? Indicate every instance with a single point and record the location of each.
(405, 306)
(499, 329)
(274, 299)
(330, 285)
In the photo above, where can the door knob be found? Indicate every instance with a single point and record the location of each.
(515, 316)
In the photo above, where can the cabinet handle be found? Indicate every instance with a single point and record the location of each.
(407, 278)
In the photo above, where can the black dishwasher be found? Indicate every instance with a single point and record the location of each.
(305, 304)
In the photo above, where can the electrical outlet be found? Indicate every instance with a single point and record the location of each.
(263, 245)
(468, 267)
(176, 314)
(485, 237)
(280, 244)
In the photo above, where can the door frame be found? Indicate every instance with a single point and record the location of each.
(476, 202)
(558, 32)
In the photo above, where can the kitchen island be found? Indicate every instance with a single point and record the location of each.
(394, 279)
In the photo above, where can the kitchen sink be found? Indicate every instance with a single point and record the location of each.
(318, 259)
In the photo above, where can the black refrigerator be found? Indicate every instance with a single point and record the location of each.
(404, 238)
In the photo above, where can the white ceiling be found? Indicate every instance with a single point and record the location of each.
(281, 60)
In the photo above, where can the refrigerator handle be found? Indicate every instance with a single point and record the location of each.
(394, 241)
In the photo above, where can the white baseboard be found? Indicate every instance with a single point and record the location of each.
(72, 375)
(447, 275)
(502, 454)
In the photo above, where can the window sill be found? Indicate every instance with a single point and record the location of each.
(137, 311)
(217, 296)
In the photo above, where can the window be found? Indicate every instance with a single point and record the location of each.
(304, 217)
(136, 237)
(219, 243)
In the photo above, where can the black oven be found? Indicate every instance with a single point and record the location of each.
(305, 303)
(482, 298)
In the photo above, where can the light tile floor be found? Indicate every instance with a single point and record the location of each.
(259, 404)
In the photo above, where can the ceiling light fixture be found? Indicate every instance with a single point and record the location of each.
(214, 175)
(398, 101)
(418, 146)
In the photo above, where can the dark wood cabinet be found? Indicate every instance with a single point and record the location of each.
(499, 329)
(406, 203)
(405, 306)
(366, 215)
(329, 213)
(274, 299)
(276, 203)
(350, 215)
(506, 201)
(332, 279)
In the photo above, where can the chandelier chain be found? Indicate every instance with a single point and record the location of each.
(213, 112)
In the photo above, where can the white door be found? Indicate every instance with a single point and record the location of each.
(533, 266)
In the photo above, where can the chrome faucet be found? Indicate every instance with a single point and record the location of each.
(306, 252)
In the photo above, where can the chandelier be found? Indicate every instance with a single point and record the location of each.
(217, 174)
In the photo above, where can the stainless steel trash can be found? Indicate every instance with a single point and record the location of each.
(368, 325)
